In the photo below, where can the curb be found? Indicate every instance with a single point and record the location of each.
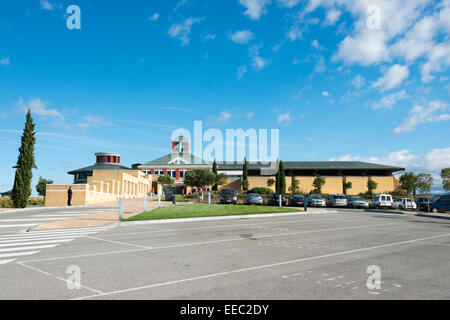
(249, 216)
(423, 215)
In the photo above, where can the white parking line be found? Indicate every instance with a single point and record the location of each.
(34, 242)
(17, 225)
(45, 238)
(18, 254)
(28, 248)
(6, 261)
(59, 215)
(31, 219)
(259, 267)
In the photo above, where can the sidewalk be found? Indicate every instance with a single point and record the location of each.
(131, 208)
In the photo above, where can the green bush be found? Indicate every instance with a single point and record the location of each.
(261, 190)
(36, 202)
(6, 203)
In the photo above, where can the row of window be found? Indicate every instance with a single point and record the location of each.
(108, 159)
(172, 173)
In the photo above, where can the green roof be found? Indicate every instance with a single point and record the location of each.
(315, 165)
(193, 160)
(100, 167)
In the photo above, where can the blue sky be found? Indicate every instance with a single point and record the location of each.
(342, 80)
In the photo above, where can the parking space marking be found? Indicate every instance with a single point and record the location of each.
(260, 267)
(119, 242)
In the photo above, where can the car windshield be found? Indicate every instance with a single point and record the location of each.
(357, 199)
(227, 192)
(254, 195)
(316, 196)
(298, 196)
(435, 198)
(340, 197)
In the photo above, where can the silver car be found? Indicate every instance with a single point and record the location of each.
(254, 198)
(337, 200)
(357, 202)
(316, 200)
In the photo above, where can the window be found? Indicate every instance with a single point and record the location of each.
(445, 199)
(174, 174)
(103, 159)
(114, 159)
(181, 174)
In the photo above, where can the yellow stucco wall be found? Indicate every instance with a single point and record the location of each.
(385, 184)
(359, 185)
(101, 186)
(260, 182)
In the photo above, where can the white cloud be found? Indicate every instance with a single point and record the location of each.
(435, 111)
(5, 61)
(242, 36)
(430, 162)
(92, 121)
(392, 77)
(257, 61)
(438, 61)
(209, 36)
(288, 3)
(390, 100)
(284, 118)
(249, 115)
(316, 45)
(241, 71)
(325, 94)
(38, 107)
(180, 4)
(46, 5)
(255, 8)
(333, 15)
(295, 33)
(154, 17)
(182, 31)
(358, 81)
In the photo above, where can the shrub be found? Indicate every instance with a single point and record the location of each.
(6, 203)
(261, 190)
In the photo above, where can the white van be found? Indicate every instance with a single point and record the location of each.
(381, 200)
(404, 203)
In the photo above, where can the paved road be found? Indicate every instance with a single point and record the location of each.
(309, 256)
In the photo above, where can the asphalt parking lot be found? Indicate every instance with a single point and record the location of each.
(306, 256)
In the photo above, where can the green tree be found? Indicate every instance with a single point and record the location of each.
(280, 179)
(318, 183)
(347, 185)
(408, 182)
(25, 163)
(41, 186)
(166, 180)
(214, 171)
(294, 186)
(424, 182)
(445, 175)
(245, 183)
(199, 178)
(371, 186)
(270, 182)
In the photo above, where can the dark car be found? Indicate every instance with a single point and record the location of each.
(437, 204)
(422, 200)
(274, 200)
(297, 200)
(228, 196)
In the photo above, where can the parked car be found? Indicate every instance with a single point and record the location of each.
(227, 196)
(404, 203)
(357, 202)
(274, 199)
(437, 204)
(422, 200)
(297, 200)
(316, 200)
(337, 200)
(381, 201)
(254, 198)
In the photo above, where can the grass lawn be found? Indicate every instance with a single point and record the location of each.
(204, 210)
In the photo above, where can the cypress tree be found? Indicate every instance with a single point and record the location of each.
(214, 170)
(25, 163)
(277, 179)
(282, 178)
(245, 175)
